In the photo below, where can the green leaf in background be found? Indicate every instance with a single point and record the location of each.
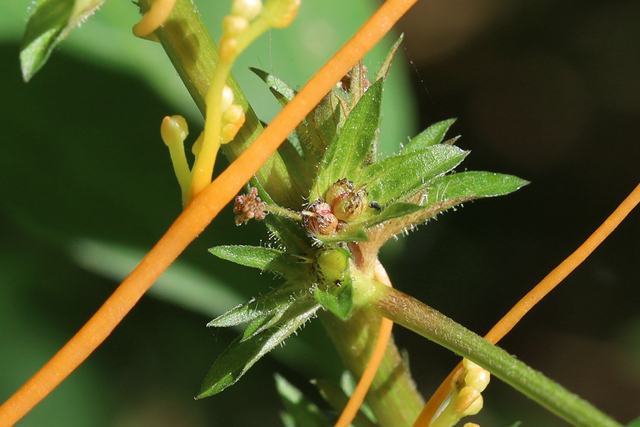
(634, 423)
(432, 135)
(300, 411)
(337, 397)
(397, 177)
(354, 145)
(47, 27)
(242, 354)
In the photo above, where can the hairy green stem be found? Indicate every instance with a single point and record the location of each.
(422, 319)
(393, 395)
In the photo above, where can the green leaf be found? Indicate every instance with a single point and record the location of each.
(432, 135)
(241, 355)
(47, 27)
(395, 210)
(337, 299)
(465, 186)
(634, 423)
(353, 147)
(280, 89)
(397, 177)
(383, 71)
(300, 410)
(266, 259)
(278, 300)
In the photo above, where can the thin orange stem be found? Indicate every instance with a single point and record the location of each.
(384, 335)
(198, 214)
(157, 14)
(557, 275)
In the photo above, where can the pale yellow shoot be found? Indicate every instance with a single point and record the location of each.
(248, 20)
(174, 131)
(157, 14)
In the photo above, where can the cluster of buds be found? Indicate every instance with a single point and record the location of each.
(468, 384)
(342, 204)
(249, 206)
(250, 18)
(232, 116)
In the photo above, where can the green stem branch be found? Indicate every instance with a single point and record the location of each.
(425, 321)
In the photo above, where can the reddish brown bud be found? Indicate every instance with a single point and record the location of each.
(319, 219)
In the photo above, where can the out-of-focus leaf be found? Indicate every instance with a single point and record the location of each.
(338, 398)
(432, 135)
(352, 148)
(399, 176)
(634, 423)
(242, 354)
(48, 27)
(301, 412)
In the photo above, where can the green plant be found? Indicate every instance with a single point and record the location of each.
(368, 217)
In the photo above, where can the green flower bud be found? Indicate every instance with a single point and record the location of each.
(331, 265)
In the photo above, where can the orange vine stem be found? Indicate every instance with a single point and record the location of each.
(557, 275)
(384, 335)
(153, 18)
(198, 214)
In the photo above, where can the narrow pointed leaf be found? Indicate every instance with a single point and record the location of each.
(266, 259)
(47, 27)
(256, 308)
(471, 185)
(386, 64)
(432, 135)
(280, 89)
(241, 355)
(353, 147)
(397, 177)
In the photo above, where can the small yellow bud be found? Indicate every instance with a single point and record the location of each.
(469, 402)
(248, 9)
(197, 146)
(230, 130)
(233, 114)
(228, 48)
(174, 130)
(281, 12)
(227, 98)
(233, 26)
(477, 378)
(471, 425)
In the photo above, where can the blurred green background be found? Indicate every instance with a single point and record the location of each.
(546, 91)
